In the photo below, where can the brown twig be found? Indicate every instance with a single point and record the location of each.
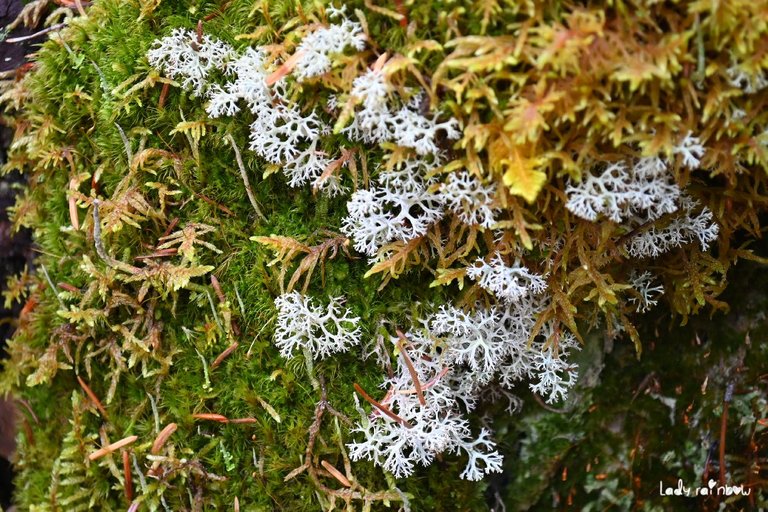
(163, 95)
(400, 6)
(336, 474)
(221, 357)
(162, 253)
(127, 476)
(244, 420)
(355, 492)
(296, 472)
(162, 437)
(217, 12)
(217, 289)
(68, 287)
(414, 376)
(28, 408)
(168, 230)
(80, 8)
(214, 203)
(434, 380)
(210, 416)
(113, 447)
(284, 69)
(93, 397)
(381, 407)
(72, 201)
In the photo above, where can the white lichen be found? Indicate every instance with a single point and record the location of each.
(693, 223)
(185, 57)
(647, 291)
(749, 81)
(316, 49)
(455, 355)
(690, 149)
(509, 284)
(303, 324)
(380, 118)
(399, 207)
(469, 198)
(644, 190)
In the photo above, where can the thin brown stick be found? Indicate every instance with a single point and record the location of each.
(110, 448)
(284, 69)
(71, 4)
(28, 408)
(336, 474)
(74, 218)
(244, 420)
(227, 352)
(434, 380)
(296, 472)
(210, 416)
(68, 287)
(168, 230)
(162, 253)
(403, 12)
(80, 9)
(214, 203)
(127, 476)
(414, 376)
(357, 492)
(163, 95)
(162, 437)
(93, 397)
(217, 289)
(380, 407)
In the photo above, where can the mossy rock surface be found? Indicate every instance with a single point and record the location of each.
(153, 262)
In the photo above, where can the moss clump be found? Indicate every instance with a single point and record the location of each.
(158, 269)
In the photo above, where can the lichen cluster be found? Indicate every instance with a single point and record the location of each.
(305, 253)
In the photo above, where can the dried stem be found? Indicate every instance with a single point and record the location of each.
(162, 437)
(209, 416)
(244, 175)
(355, 492)
(381, 407)
(127, 476)
(113, 447)
(414, 376)
(93, 397)
(336, 473)
(21, 39)
(221, 357)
